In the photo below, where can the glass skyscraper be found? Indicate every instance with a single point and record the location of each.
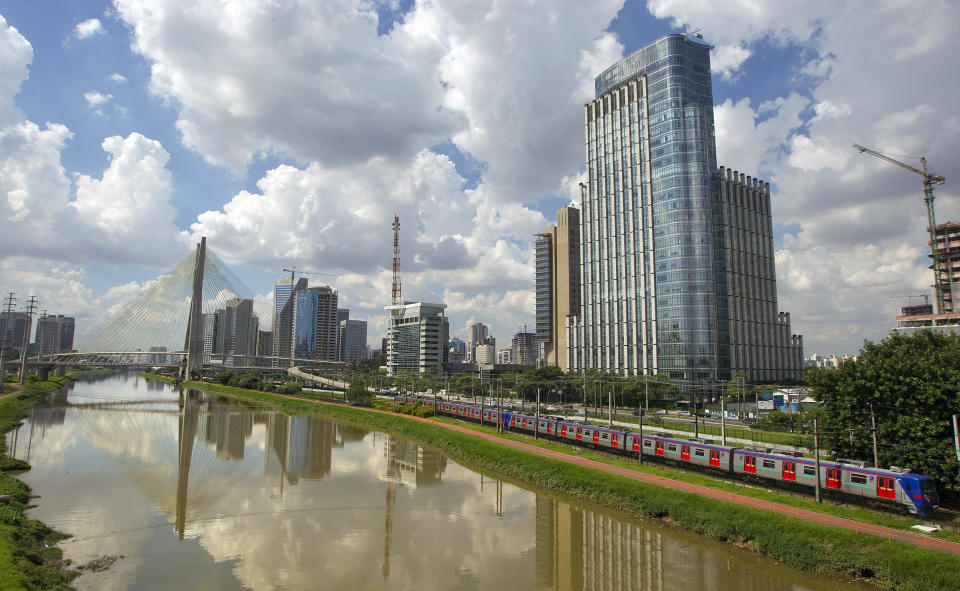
(653, 256)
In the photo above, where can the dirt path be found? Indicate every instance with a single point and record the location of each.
(16, 390)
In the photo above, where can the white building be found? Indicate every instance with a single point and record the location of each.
(417, 338)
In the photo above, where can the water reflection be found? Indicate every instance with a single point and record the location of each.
(261, 500)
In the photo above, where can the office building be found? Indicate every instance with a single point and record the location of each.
(505, 356)
(342, 314)
(485, 354)
(55, 334)
(353, 340)
(459, 346)
(244, 328)
(557, 285)
(660, 247)
(417, 339)
(14, 328)
(264, 343)
(760, 339)
(210, 332)
(283, 290)
(315, 331)
(479, 335)
(523, 349)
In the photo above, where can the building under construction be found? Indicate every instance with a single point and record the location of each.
(948, 247)
(917, 317)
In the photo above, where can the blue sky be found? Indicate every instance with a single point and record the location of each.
(292, 135)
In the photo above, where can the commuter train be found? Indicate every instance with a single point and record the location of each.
(846, 480)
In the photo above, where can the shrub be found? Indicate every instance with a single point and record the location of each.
(289, 388)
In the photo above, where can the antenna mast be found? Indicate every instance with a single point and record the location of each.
(395, 295)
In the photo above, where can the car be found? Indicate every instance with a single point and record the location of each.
(661, 412)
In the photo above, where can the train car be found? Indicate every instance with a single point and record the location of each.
(915, 493)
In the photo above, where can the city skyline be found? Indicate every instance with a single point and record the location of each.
(116, 161)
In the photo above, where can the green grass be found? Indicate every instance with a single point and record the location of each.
(74, 374)
(808, 546)
(157, 377)
(29, 558)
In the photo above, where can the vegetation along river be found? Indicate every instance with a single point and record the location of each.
(202, 493)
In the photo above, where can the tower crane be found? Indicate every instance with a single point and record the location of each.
(293, 271)
(928, 181)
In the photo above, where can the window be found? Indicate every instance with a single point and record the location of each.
(858, 478)
(671, 447)
(698, 452)
(809, 471)
(647, 443)
(768, 464)
(605, 436)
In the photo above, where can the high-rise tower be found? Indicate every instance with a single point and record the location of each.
(655, 296)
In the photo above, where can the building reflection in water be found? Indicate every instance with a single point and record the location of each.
(582, 550)
(411, 464)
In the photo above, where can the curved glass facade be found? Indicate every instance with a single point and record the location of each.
(650, 222)
(305, 324)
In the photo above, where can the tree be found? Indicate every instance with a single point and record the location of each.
(911, 383)
(357, 393)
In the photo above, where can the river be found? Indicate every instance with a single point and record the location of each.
(203, 493)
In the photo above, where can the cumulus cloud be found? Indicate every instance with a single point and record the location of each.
(87, 28)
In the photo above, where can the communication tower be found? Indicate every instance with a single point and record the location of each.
(395, 294)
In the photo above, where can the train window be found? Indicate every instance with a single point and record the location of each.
(647, 443)
(671, 447)
(698, 452)
(858, 478)
(809, 471)
(769, 464)
(604, 436)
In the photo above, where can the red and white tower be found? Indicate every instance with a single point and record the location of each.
(395, 296)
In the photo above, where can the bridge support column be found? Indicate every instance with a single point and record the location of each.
(194, 341)
(61, 371)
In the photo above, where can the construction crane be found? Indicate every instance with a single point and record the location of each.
(928, 181)
(293, 271)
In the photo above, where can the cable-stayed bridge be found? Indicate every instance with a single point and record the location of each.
(164, 324)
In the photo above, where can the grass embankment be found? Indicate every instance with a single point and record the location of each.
(157, 377)
(28, 557)
(804, 545)
(74, 374)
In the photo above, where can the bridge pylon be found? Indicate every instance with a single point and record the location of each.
(194, 341)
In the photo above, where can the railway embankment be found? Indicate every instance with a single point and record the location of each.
(807, 544)
(29, 558)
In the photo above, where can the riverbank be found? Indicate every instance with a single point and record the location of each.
(801, 544)
(29, 558)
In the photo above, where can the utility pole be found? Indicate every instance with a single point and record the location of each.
(536, 426)
(646, 393)
(956, 437)
(31, 306)
(816, 455)
(873, 429)
(3, 337)
(640, 424)
(610, 404)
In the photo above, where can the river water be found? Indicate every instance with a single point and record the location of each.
(207, 494)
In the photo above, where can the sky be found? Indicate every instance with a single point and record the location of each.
(290, 132)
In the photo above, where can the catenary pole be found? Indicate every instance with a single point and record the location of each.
(816, 454)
